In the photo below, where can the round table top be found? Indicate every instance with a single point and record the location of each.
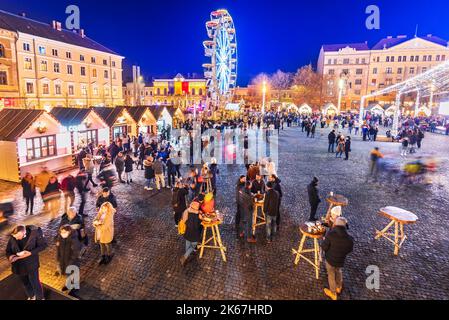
(338, 200)
(398, 214)
(305, 230)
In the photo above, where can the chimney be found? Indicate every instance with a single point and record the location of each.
(429, 35)
(82, 33)
(57, 25)
(390, 37)
(23, 14)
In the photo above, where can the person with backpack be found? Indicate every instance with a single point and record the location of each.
(179, 201)
(191, 221)
(22, 251)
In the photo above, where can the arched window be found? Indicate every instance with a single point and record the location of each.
(193, 92)
(201, 92)
(2, 51)
(158, 91)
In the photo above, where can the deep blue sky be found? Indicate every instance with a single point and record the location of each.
(165, 36)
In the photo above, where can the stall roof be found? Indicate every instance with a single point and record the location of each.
(172, 110)
(109, 115)
(14, 122)
(69, 117)
(157, 111)
(137, 112)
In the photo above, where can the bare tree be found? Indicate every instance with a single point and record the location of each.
(281, 81)
(260, 78)
(307, 84)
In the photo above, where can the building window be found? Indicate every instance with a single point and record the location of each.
(113, 64)
(28, 64)
(71, 90)
(345, 71)
(81, 58)
(41, 147)
(87, 137)
(114, 92)
(412, 58)
(359, 71)
(389, 70)
(2, 51)
(114, 75)
(425, 58)
(68, 55)
(93, 60)
(58, 89)
(44, 66)
(438, 57)
(83, 71)
(331, 72)
(335, 61)
(45, 88)
(3, 78)
(363, 61)
(416, 58)
(54, 52)
(106, 74)
(94, 73)
(42, 50)
(56, 67)
(358, 82)
(400, 59)
(329, 61)
(106, 91)
(69, 69)
(429, 58)
(424, 69)
(388, 59)
(83, 90)
(26, 47)
(399, 70)
(346, 61)
(392, 59)
(105, 62)
(165, 92)
(30, 88)
(375, 71)
(95, 91)
(412, 70)
(443, 57)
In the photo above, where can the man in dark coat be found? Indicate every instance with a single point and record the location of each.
(277, 186)
(113, 150)
(179, 200)
(336, 246)
(22, 251)
(258, 185)
(314, 198)
(271, 209)
(246, 205)
(332, 138)
(106, 196)
(68, 249)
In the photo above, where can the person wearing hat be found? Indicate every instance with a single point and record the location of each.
(336, 245)
(194, 230)
(335, 214)
(106, 196)
(314, 198)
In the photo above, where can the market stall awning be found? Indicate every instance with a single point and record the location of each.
(109, 115)
(137, 112)
(70, 117)
(14, 122)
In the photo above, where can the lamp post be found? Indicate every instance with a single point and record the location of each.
(341, 86)
(418, 101)
(432, 91)
(264, 94)
(397, 111)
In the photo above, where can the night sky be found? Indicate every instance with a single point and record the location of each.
(165, 36)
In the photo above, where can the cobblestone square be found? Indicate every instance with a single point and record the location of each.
(146, 262)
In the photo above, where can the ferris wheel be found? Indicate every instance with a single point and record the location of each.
(221, 48)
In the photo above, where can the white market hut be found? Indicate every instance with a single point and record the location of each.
(30, 140)
(330, 109)
(424, 111)
(305, 109)
(376, 109)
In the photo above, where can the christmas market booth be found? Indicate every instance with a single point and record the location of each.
(30, 140)
(118, 120)
(146, 122)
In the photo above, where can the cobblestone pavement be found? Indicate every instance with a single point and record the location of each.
(146, 263)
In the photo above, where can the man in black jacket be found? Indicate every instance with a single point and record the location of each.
(271, 209)
(106, 196)
(239, 187)
(246, 205)
(22, 251)
(314, 198)
(332, 138)
(336, 245)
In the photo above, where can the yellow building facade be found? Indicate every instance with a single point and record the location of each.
(59, 68)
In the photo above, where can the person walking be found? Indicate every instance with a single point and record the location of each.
(22, 251)
(120, 166)
(158, 167)
(76, 222)
(52, 197)
(246, 204)
(68, 250)
(375, 155)
(81, 188)
(277, 186)
(238, 216)
(194, 230)
(129, 167)
(332, 137)
(106, 197)
(337, 245)
(104, 231)
(149, 173)
(347, 148)
(271, 209)
(340, 147)
(314, 198)
(29, 192)
(89, 166)
(68, 185)
(179, 200)
(171, 172)
(42, 180)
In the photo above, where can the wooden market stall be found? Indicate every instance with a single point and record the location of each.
(146, 122)
(305, 109)
(31, 140)
(85, 127)
(330, 109)
(119, 121)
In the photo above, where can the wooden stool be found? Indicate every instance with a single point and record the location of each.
(316, 249)
(216, 238)
(399, 218)
(335, 201)
(258, 220)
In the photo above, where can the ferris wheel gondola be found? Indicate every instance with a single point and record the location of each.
(221, 48)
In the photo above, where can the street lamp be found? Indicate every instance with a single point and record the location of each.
(264, 94)
(341, 86)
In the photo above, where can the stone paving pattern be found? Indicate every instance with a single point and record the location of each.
(146, 263)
